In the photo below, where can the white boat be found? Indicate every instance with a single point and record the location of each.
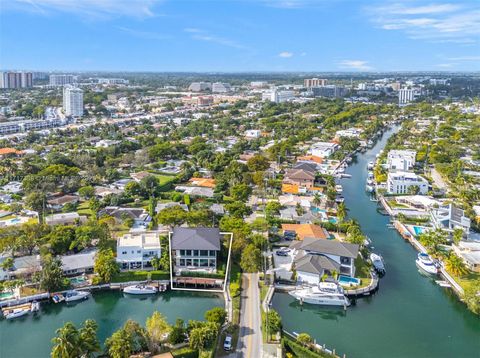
(370, 165)
(35, 306)
(140, 290)
(369, 188)
(338, 188)
(71, 296)
(17, 312)
(326, 293)
(425, 262)
(378, 263)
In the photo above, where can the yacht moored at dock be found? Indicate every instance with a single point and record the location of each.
(140, 290)
(425, 262)
(72, 296)
(326, 293)
(378, 263)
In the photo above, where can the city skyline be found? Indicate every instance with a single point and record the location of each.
(240, 36)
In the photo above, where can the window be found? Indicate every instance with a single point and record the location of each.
(188, 262)
(188, 252)
(195, 252)
(203, 252)
(195, 262)
(139, 251)
(182, 252)
(124, 252)
(212, 263)
(182, 262)
(212, 252)
(203, 262)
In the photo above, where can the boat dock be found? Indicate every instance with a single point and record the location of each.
(365, 291)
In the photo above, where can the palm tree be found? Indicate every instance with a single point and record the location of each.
(89, 343)
(455, 265)
(66, 343)
(317, 199)
(341, 212)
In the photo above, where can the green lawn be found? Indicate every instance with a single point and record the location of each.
(140, 276)
(84, 209)
(362, 271)
(466, 280)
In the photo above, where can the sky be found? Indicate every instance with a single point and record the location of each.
(240, 35)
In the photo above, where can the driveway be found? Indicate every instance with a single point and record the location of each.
(250, 340)
(283, 265)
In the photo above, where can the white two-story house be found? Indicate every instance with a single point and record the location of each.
(314, 258)
(401, 160)
(401, 182)
(136, 250)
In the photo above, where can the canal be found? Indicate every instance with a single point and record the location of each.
(410, 315)
(30, 336)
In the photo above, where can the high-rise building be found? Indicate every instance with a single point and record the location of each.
(16, 79)
(73, 101)
(276, 96)
(405, 96)
(200, 86)
(61, 80)
(314, 82)
(219, 87)
(330, 91)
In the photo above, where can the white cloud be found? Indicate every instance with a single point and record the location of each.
(88, 8)
(144, 34)
(285, 54)
(465, 58)
(458, 22)
(358, 65)
(202, 35)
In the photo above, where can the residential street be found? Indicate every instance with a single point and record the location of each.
(250, 339)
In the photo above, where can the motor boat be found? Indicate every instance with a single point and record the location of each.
(339, 188)
(370, 165)
(35, 307)
(72, 296)
(140, 290)
(425, 262)
(369, 188)
(16, 313)
(326, 293)
(378, 263)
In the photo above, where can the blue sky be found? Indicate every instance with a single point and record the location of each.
(240, 35)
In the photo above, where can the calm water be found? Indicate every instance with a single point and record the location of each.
(31, 336)
(410, 316)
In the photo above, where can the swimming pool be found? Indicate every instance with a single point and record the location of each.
(6, 295)
(418, 230)
(77, 280)
(348, 281)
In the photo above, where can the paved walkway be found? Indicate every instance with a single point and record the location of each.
(250, 340)
(438, 180)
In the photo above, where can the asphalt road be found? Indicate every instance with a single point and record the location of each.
(250, 339)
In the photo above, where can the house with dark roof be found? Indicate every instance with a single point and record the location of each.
(195, 249)
(139, 215)
(302, 177)
(314, 258)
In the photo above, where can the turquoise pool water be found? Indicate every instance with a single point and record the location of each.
(77, 280)
(418, 230)
(347, 280)
(318, 210)
(6, 295)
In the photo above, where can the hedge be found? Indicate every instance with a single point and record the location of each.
(302, 352)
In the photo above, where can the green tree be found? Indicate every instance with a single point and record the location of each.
(240, 192)
(472, 297)
(119, 344)
(7, 264)
(216, 315)
(52, 277)
(455, 265)
(89, 343)
(251, 260)
(172, 216)
(105, 265)
(86, 192)
(157, 331)
(66, 343)
(177, 334)
(274, 322)
(304, 339)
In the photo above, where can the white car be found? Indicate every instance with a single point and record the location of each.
(227, 344)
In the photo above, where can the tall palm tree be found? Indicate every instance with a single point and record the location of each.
(66, 343)
(88, 340)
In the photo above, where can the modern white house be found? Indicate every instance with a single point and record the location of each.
(253, 133)
(401, 160)
(469, 251)
(136, 250)
(401, 182)
(449, 217)
(80, 263)
(323, 149)
(195, 249)
(315, 257)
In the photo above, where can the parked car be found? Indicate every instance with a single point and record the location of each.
(282, 252)
(227, 344)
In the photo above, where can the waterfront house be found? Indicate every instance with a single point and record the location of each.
(401, 182)
(64, 219)
(401, 160)
(323, 149)
(136, 250)
(23, 267)
(449, 217)
(469, 251)
(314, 258)
(195, 249)
(80, 263)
